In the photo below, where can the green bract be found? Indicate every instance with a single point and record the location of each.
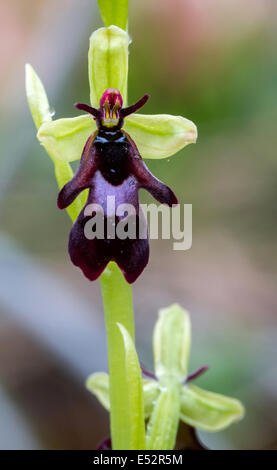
(99, 385)
(136, 432)
(37, 98)
(40, 110)
(169, 398)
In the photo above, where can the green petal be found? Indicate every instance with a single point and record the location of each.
(37, 98)
(208, 411)
(136, 431)
(160, 135)
(108, 62)
(171, 343)
(114, 12)
(163, 424)
(98, 384)
(64, 139)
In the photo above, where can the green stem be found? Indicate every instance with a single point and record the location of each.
(118, 306)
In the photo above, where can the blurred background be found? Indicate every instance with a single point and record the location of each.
(215, 63)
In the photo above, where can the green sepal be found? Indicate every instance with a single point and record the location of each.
(108, 62)
(160, 135)
(207, 410)
(171, 343)
(98, 384)
(64, 139)
(163, 425)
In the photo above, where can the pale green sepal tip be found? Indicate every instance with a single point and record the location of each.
(135, 393)
(207, 410)
(37, 97)
(114, 12)
(163, 425)
(98, 384)
(160, 135)
(108, 62)
(171, 343)
(64, 139)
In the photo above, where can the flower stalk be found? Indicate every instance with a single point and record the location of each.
(118, 307)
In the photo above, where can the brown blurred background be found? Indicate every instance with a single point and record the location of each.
(215, 63)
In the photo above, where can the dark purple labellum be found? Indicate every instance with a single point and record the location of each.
(111, 166)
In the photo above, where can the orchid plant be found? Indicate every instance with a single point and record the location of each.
(112, 141)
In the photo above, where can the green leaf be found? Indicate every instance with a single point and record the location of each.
(160, 135)
(98, 384)
(136, 431)
(64, 139)
(37, 98)
(208, 411)
(171, 343)
(114, 12)
(64, 173)
(163, 424)
(108, 62)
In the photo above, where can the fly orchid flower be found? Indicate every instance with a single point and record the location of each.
(168, 394)
(111, 166)
(113, 144)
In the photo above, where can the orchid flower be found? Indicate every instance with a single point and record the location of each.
(169, 396)
(112, 141)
